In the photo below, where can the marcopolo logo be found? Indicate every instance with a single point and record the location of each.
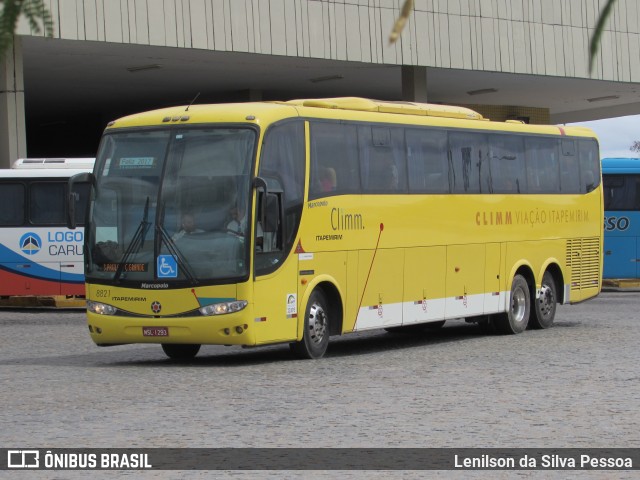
(30, 243)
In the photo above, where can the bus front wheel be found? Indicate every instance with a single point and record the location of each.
(544, 310)
(315, 339)
(178, 351)
(516, 318)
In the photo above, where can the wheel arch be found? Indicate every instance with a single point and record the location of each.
(334, 297)
(553, 267)
(525, 270)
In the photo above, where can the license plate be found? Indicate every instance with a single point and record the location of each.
(155, 331)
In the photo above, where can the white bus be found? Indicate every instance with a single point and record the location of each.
(39, 255)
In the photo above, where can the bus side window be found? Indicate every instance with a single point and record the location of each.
(12, 194)
(589, 165)
(506, 163)
(569, 168)
(383, 159)
(427, 162)
(621, 191)
(468, 150)
(334, 159)
(543, 166)
(46, 203)
(613, 191)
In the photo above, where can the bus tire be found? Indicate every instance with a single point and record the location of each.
(177, 351)
(315, 338)
(516, 318)
(544, 306)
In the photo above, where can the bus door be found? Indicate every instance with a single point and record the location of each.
(23, 283)
(71, 269)
(279, 195)
(275, 290)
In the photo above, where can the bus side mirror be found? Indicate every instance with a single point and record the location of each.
(272, 213)
(260, 183)
(86, 177)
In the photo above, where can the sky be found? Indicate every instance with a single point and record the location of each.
(616, 135)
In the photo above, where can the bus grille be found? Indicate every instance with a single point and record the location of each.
(583, 256)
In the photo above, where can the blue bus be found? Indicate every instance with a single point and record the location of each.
(621, 181)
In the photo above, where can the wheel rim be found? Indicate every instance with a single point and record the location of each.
(546, 300)
(518, 305)
(317, 323)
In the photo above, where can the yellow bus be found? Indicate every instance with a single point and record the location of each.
(289, 222)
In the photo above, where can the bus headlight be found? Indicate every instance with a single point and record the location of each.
(224, 307)
(100, 308)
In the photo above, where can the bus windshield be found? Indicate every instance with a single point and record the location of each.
(172, 206)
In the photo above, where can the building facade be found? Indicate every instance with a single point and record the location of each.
(524, 59)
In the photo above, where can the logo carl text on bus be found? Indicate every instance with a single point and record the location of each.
(65, 242)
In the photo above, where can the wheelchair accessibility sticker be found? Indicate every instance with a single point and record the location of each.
(167, 266)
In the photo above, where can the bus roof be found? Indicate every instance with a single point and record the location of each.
(342, 108)
(621, 165)
(42, 173)
(45, 163)
(403, 108)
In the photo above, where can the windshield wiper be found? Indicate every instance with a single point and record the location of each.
(136, 241)
(173, 250)
(163, 236)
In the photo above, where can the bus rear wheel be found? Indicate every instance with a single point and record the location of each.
(544, 307)
(315, 339)
(516, 318)
(177, 351)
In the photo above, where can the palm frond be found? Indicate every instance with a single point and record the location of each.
(8, 21)
(594, 45)
(405, 12)
(36, 13)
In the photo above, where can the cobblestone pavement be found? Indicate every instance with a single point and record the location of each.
(574, 385)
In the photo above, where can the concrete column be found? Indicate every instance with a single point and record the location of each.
(13, 137)
(414, 84)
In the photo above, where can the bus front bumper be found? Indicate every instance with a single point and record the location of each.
(231, 329)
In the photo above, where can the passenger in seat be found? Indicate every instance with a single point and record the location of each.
(188, 224)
